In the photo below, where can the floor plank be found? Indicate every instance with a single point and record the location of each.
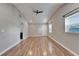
(35, 46)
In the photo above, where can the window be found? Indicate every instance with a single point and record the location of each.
(50, 28)
(72, 23)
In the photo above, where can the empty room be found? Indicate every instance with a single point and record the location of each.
(39, 29)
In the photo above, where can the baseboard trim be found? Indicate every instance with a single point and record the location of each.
(63, 46)
(11, 46)
(38, 36)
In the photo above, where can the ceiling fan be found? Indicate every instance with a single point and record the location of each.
(37, 11)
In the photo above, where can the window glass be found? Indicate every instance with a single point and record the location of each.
(50, 28)
(72, 23)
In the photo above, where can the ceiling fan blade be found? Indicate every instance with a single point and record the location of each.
(40, 11)
(34, 11)
(37, 12)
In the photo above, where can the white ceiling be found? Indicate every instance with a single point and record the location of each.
(47, 8)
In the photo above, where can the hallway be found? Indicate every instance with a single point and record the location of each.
(39, 29)
(35, 46)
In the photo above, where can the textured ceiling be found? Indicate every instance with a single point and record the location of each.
(48, 10)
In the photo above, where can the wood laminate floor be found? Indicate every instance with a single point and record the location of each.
(35, 46)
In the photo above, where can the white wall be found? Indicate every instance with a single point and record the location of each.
(70, 40)
(10, 26)
(37, 29)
